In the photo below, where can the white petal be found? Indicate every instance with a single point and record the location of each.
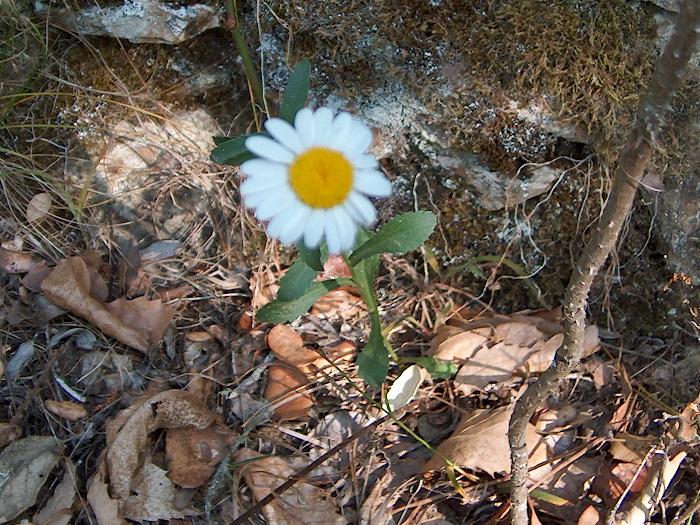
(323, 120)
(361, 209)
(268, 149)
(333, 239)
(346, 228)
(262, 168)
(372, 182)
(284, 133)
(262, 183)
(288, 225)
(359, 139)
(275, 203)
(305, 126)
(294, 228)
(255, 198)
(313, 229)
(341, 129)
(362, 161)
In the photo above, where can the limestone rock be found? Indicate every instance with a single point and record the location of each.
(496, 190)
(139, 21)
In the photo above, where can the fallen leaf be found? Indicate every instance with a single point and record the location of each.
(614, 479)
(284, 386)
(480, 442)
(25, 465)
(590, 516)
(494, 354)
(169, 409)
(302, 504)
(74, 287)
(58, 510)
(105, 508)
(199, 336)
(16, 262)
(19, 359)
(662, 473)
(404, 388)
(66, 409)
(155, 497)
(38, 207)
(339, 302)
(263, 286)
(193, 454)
(8, 433)
(288, 346)
(334, 267)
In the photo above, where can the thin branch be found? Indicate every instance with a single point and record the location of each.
(633, 160)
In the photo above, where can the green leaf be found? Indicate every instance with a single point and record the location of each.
(220, 139)
(286, 311)
(297, 91)
(373, 361)
(365, 272)
(232, 152)
(437, 367)
(311, 256)
(401, 234)
(296, 281)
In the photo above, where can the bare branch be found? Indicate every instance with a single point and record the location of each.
(633, 160)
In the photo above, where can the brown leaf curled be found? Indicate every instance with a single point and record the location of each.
(138, 323)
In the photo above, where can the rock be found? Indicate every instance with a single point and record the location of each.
(139, 21)
(665, 21)
(680, 223)
(496, 190)
(149, 176)
(669, 5)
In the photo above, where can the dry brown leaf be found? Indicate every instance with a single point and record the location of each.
(8, 433)
(26, 464)
(494, 354)
(192, 454)
(16, 262)
(66, 409)
(105, 508)
(613, 480)
(169, 409)
(38, 207)
(199, 336)
(264, 287)
(340, 302)
(75, 288)
(57, 510)
(288, 346)
(590, 516)
(302, 504)
(480, 442)
(284, 384)
(155, 499)
(334, 267)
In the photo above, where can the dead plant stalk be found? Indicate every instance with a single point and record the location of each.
(633, 160)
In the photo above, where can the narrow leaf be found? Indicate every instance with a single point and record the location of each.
(231, 152)
(402, 234)
(364, 273)
(297, 91)
(220, 139)
(437, 367)
(311, 256)
(287, 311)
(296, 281)
(373, 361)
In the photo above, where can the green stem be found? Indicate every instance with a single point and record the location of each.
(248, 66)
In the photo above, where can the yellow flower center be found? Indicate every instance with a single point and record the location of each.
(321, 177)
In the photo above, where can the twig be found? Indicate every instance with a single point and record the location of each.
(634, 157)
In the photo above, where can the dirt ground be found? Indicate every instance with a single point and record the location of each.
(108, 189)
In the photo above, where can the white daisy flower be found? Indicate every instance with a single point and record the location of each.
(312, 180)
